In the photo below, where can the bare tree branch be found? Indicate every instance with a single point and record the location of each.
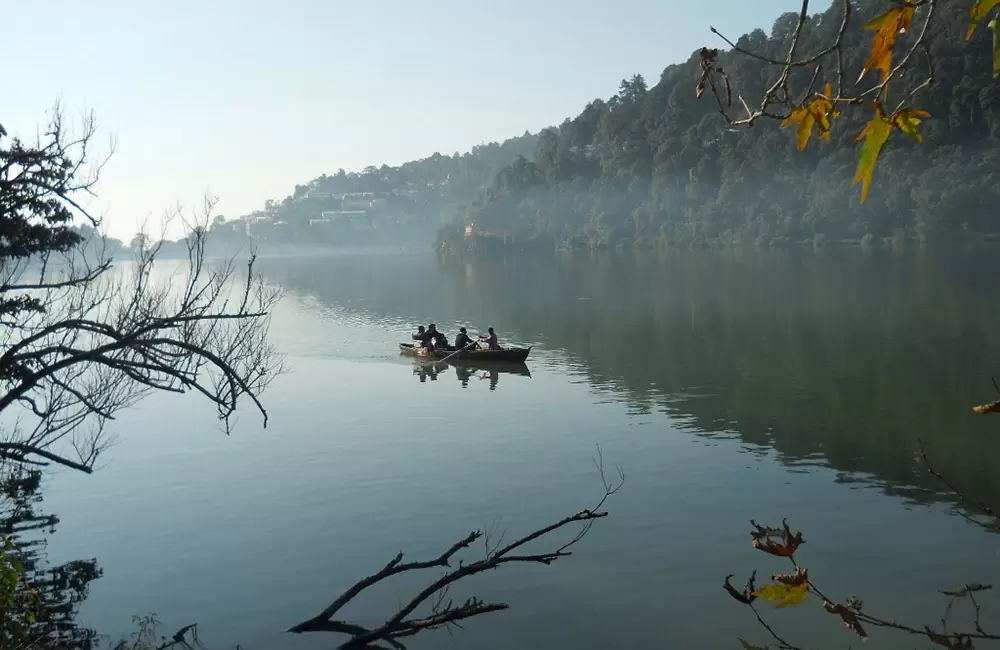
(404, 623)
(84, 339)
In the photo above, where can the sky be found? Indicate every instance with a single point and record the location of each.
(245, 99)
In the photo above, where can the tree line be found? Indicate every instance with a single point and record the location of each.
(658, 166)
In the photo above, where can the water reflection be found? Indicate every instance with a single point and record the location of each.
(466, 371)
(62, 588)
(428, 371)
(841, 360)
(491, 371)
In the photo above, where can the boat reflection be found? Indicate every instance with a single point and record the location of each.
(428, 371)
(466, 371)
(485, 370)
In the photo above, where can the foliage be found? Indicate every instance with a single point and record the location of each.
(19, 603)
(656, 166)
(38, 602)
(793, 589)
(81, 339)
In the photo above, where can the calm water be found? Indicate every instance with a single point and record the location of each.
(728, 387)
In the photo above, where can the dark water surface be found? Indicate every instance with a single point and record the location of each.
(727, 386)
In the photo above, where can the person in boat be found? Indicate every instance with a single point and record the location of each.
(438, 339)
(424, 336)
(490, 339)
(464, 341)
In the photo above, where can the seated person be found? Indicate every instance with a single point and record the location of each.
(439, 340)
(423, 336)
(463, 340)
(491, 339)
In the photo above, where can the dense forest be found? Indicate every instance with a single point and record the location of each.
(659, 166)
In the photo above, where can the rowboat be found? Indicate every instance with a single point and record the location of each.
(505, 355)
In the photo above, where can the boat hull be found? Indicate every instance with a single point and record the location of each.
(506, 355)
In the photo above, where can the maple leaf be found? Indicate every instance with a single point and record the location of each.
(784, 595)
(776, 541)
(816, 112)
(992, 407)
(907, 120)
(980, 10)
(847, 615)
(792, 579)
(875, 134)
(887, 27)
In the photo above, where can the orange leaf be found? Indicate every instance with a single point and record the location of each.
(887, 27)
(979, 11)
(776, 541)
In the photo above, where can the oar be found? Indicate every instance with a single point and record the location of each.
(453, 353)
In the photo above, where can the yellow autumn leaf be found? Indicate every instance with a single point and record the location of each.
(980, 10)
(805, 119)
(816, 112)
(784, 595)
(875, 134)
(907, 121)
(887, 28)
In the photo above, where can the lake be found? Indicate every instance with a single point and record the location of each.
(728, 386)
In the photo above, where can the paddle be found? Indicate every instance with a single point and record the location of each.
(471, 343)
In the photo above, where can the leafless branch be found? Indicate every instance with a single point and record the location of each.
(83, 339)
(981, 506)
(443, 613)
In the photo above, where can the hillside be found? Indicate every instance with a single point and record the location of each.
(383, 204)
(656, 165)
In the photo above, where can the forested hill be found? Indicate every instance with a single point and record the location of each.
(378, 204)
(657, 165)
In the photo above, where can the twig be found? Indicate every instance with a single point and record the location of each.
(985, 509)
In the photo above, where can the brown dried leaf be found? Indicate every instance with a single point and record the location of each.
(792, 579)
(847, 615)
(708, 61)
(992, 407)
(776, 541)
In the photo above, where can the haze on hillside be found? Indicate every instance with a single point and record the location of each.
(250, 98)
(322, 138)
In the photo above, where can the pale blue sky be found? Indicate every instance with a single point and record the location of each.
(249, 98)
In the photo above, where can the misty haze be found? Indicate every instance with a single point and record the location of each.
(391, 325)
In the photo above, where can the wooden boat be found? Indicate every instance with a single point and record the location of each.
(504, 355)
